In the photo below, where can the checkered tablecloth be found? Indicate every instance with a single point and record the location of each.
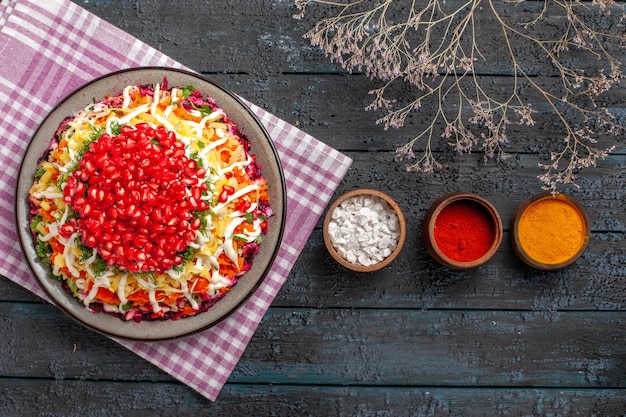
(48, 49)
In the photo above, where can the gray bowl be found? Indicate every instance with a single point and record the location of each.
(262, 146)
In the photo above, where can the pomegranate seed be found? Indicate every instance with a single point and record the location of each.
(196, 192)
(196, 224)
(180, 246)
(190, 236)
(96, 194)
(89, 240)
(140, 240)
(66, 230)
(136, 197)
(86, 210)
(89, 167)
(131, 210)
(189, 181)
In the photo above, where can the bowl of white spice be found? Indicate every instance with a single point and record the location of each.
(364, 230)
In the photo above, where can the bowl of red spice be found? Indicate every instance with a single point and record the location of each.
(462, 230)
(550, 232)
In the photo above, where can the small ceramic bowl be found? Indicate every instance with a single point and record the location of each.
(462, 230)
(377, 249)
(550, 232)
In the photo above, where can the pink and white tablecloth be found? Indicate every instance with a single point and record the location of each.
(48, 49)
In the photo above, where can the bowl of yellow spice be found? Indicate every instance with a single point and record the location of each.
(550, 232)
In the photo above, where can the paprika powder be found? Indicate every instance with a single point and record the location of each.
(464, 231)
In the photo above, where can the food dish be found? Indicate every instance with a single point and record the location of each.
(262, 147)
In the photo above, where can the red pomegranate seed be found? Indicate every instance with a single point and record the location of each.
(135, 194)
(86, 209)
(190, 235)
(196, 224)
(66, 230)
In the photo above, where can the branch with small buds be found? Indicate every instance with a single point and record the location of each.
(434, 46)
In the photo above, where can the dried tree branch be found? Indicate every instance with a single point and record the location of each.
(433, 46)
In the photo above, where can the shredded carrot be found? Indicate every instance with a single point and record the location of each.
(263, 192)
(139, 297)
(249, 227)
(105, 295)
(143, 297)
(158, 314)
(227, 267)
(188, 310)
(240, 175)
(47, 216)
(165, 102)
(180, 112)
(200, 285)
(65, 270)
(225, 155)
(56, 246)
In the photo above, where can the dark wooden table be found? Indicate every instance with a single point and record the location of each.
(413, 339)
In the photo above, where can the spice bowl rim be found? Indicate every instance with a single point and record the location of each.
(401, 223)
(517, 246)
(428, 228)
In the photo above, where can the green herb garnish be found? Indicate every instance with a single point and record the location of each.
(39, 173)
(98, 266)
(187, 91)
(116, 128)
(43, 250)
(35, 222)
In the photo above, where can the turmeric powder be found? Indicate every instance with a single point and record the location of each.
(551, 230)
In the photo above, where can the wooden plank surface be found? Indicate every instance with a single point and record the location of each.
(393, 347)
(413, 339)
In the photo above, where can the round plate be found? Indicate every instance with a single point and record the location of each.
(262, 146)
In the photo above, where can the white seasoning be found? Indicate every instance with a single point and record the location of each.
(364, 230)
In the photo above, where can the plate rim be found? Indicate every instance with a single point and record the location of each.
(21, 209)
